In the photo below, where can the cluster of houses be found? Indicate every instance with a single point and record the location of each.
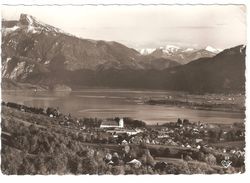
(113, 159)
(161, 136)
(181, 133)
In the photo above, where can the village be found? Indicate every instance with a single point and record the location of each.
(167, 143)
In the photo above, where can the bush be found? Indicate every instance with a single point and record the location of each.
(210, 159)
(188, 158)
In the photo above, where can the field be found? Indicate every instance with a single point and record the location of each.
(233, 144)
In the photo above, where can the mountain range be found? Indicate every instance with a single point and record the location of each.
(182, 55)
(36, 53)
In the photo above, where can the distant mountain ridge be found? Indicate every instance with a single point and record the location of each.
(224, 72)
(182, 55)
(40, 54)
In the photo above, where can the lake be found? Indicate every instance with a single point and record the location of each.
(106, 103)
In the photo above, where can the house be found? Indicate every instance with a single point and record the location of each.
(122, 131)
(135, 140)
(83, 128)
(108, 157)
(162, 136)
(132, 132)
(195, 130)
(188, 146)
(135, 162)
(116, 132)
(147, 141)
(233, 151)
(198, 140)
(124, 142)
(112, 124)
(110, 162)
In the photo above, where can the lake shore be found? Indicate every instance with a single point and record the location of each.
(198, 106)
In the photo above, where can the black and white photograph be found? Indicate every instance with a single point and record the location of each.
(123, 90)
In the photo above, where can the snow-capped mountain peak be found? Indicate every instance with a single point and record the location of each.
(34, 26)
(170, 49)
(26, 19)
(212, 49)
(147, 51)
(180, 54)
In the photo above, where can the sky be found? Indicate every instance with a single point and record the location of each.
(151, 26)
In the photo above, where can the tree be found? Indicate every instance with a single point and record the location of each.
(200, 156)
(210, 159)
(73, 164)
(179, 121)
(60, 161)
(213, 135)
(188, 158)
(118, 170)
(89, 166)
(147, 158)
(186, 121)
(26, 167)
(167, 152)
(11, 160)
(33, 129)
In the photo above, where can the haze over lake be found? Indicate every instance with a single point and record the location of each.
(107, 103)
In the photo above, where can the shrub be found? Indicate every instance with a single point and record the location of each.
(210, 159)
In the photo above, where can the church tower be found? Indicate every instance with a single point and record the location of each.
(121, 123)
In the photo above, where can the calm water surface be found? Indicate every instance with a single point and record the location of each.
(105, 103)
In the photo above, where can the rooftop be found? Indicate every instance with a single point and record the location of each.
(110, 123)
